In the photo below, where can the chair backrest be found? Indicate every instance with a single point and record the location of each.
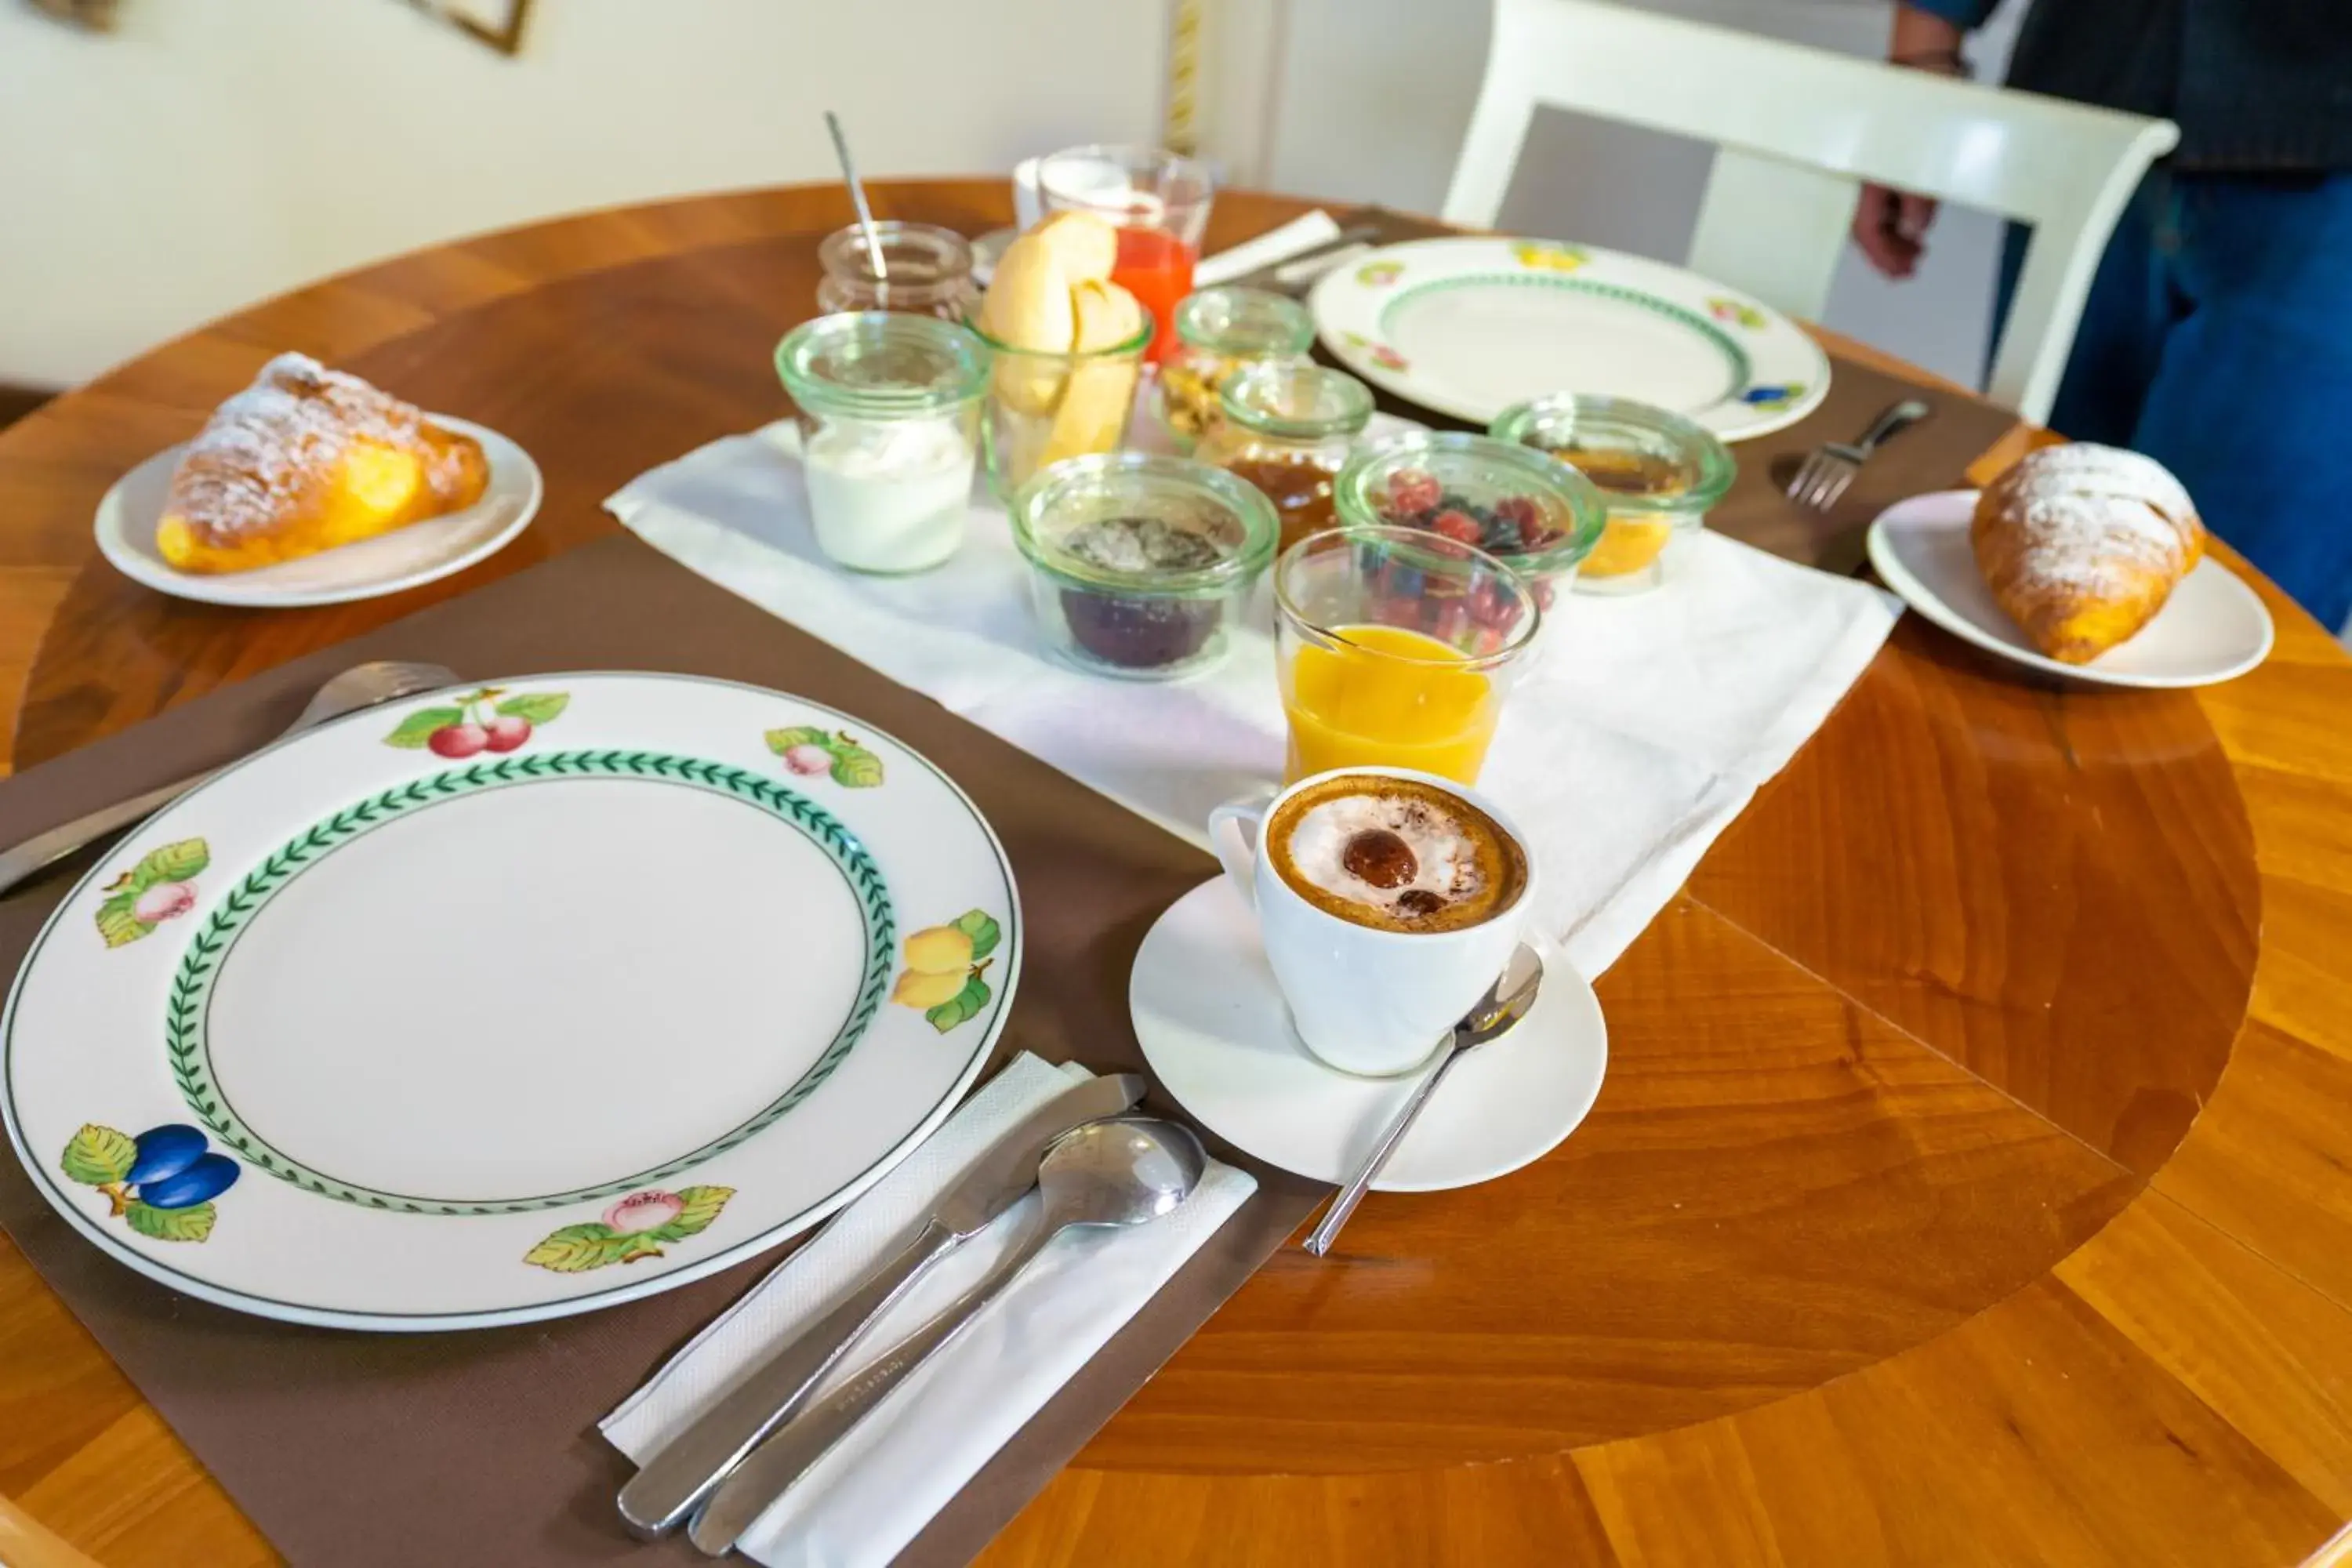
(1797, 130)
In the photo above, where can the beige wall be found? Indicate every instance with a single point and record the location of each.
(214, 151)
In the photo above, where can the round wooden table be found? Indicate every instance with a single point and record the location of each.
(1973, 1180)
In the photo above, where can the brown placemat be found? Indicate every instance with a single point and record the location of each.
(1931, 456)
(357, 1449)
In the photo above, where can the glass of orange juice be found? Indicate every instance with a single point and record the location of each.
(1396, 648)
(1158, 200)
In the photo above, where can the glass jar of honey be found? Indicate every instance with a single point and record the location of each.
(926, 271)
(1287, 427)
(1219, 332)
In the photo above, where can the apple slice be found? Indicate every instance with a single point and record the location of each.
(1028, 306)
(1094, 411)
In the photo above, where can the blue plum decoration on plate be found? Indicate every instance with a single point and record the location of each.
(160, 1184)
(165, 1151)
(203, 1179)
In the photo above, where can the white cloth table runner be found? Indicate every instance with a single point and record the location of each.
(1646, 726)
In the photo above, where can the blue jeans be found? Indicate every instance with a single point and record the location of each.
(2218, 340)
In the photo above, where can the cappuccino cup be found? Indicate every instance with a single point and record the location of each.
(1389, 901)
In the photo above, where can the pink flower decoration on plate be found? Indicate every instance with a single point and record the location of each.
(644, 1211)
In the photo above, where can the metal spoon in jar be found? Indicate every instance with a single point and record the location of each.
(1126, 1171)
(857, 195)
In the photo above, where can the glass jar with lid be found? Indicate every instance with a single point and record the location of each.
(926, 271)
(1220, 332)
(1287, 427)
(888, 411)
(1139, 565)
(1657, 471)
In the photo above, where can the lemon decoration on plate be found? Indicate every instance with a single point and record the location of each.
(943, 979)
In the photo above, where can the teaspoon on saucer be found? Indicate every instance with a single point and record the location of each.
(1505, 1004)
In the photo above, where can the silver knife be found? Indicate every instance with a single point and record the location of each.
(661, 1496)
(770, 1470)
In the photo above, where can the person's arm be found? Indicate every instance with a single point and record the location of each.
(1891, 227)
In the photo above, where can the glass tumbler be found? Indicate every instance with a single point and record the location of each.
(1158, 200)
(1396, 648)
(1043, 407)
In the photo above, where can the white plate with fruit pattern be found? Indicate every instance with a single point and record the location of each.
(509, 1002)
(388, 563)
(1469, 326)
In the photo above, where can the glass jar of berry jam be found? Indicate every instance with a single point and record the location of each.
(1140, 565)
(1537, 515)
(1288, 428)
(1219, 333)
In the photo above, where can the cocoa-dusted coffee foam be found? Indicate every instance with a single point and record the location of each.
(1395, 854)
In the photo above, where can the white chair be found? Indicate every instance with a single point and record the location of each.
(1797, 130)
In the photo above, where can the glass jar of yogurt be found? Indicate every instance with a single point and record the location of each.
(888, 410)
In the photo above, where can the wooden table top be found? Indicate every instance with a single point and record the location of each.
(1973, 1180)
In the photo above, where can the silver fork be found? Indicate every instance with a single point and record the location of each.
(361, 686)
(1822, 478)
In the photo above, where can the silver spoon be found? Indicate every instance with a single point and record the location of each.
(857, 195)
(1505, 1004)
(361, 686)
(1126, 1171)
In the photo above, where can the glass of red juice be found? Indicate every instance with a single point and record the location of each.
(1158, 200)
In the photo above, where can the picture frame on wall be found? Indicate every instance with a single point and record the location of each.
(500, 24)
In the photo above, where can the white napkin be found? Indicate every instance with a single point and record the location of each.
(885, 1479)
(1644, 728)
(1304, 232)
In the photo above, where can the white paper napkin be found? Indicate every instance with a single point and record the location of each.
(1639, 735)
(1304, 232)
(883, 1481)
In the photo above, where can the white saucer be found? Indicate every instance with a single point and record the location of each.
(401, 559)
(1215, 1031)
(2213, 628)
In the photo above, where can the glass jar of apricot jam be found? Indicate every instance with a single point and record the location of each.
(1287, 427)
(1658, 472)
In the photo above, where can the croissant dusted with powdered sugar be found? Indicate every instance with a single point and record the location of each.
(2082, 545)
(307, 458)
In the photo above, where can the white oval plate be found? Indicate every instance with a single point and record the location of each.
(403, 558)
(2213, 627)
(513, 1035)
(1470, 326)
(1212, 1025)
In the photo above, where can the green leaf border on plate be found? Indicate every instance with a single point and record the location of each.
(1742, 369)
(186, 1043)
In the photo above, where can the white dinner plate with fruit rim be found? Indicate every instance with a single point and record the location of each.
(405, 557)
(2213, 627)
(1469, 326)
(510, 1002)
